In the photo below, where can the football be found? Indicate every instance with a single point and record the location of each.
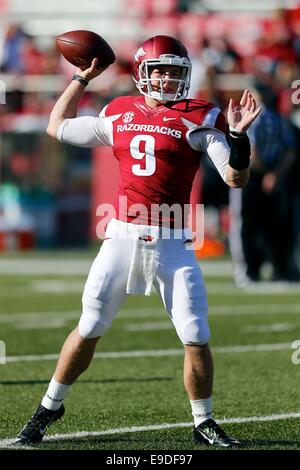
(81, 47)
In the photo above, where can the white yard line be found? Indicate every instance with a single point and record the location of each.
(61, 267)
(269, 328)
(167, 325)
(255, 309)
(63, 287)
(68, 267)
(256, 289)
(81, 267)
(57, 286)
(155, 427)
(35, 316)
(157, 353)
(56, 319)
(214, 310)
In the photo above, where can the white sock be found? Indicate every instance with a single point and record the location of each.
(201, 410)
(55, 395)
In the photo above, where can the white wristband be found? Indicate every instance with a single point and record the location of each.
(233, 129)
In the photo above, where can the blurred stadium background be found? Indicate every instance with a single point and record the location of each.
(49, 191)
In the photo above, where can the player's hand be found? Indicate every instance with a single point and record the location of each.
(241, 116)
(92, 71)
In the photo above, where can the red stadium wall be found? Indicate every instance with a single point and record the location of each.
(105, 180)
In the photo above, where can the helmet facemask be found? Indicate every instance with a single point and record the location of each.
(183, 83)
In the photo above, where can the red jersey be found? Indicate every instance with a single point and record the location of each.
(157, 162)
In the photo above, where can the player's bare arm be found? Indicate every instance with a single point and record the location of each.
(66, 105)
(240, 119)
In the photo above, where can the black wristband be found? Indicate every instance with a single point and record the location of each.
(80, 79)
(239, 152)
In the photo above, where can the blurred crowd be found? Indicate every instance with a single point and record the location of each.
(267, 48)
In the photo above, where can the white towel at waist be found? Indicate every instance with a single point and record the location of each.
(145, 246)
(142, 267)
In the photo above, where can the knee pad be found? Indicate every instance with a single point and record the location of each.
(91, 325)
(196, 331)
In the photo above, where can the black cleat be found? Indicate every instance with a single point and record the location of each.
(209, 432)
(35, 429)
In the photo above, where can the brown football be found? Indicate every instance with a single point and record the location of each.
(80, 47)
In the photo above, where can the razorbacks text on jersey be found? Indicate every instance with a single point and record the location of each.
(156, 150)
(157, 161)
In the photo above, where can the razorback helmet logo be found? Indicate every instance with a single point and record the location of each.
(139, 53)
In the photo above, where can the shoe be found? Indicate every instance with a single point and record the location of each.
(35, 429)
(209, 432)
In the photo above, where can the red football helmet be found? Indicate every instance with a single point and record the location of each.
(157, 51)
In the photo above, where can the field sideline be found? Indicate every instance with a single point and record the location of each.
(132, 396)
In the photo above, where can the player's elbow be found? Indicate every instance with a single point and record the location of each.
(53, 128)
(237, 184)
(237, 178)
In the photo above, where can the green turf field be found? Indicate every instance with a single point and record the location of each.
(132, 396)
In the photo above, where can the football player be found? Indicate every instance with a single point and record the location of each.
(158, 139)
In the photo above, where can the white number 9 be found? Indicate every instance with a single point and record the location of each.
(150, 162)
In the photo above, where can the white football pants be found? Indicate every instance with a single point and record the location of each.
(176, 277)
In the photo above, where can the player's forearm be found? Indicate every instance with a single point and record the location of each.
(237, 178)
(237, 171)
(65, 107)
